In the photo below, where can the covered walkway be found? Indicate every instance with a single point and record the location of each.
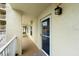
(30, 49)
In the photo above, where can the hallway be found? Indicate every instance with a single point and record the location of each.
(30, 49)
(61, 32)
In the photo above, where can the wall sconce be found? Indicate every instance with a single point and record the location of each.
(58, 10)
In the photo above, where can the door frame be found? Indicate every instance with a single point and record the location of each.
(44, 18)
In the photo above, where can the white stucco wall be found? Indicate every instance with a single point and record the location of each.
(65, 30)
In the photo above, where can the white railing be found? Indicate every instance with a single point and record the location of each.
(9, 49)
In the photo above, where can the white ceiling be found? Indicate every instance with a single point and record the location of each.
(33, 9)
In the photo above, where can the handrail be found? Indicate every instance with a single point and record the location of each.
(7, 44)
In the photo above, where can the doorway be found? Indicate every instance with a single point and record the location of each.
(45, 29)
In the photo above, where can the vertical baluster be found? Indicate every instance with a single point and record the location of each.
(10, 49)
(3, 54)
(6, 52)
(13, 46)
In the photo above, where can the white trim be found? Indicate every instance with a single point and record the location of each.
(48, 16)
(51, 36)
(43, 51)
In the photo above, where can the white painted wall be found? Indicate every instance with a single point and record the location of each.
(65, 30)
(13, 26)
(35, 30)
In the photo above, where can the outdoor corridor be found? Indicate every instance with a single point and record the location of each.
(34, 29)
(30, 49)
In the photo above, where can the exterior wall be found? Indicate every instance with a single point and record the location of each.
(13, 26)
(65, 30)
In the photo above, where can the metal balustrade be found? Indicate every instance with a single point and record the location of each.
(9, 49)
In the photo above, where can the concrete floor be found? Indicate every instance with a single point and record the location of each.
(30, 49)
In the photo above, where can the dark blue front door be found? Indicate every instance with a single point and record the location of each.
(46, 35)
